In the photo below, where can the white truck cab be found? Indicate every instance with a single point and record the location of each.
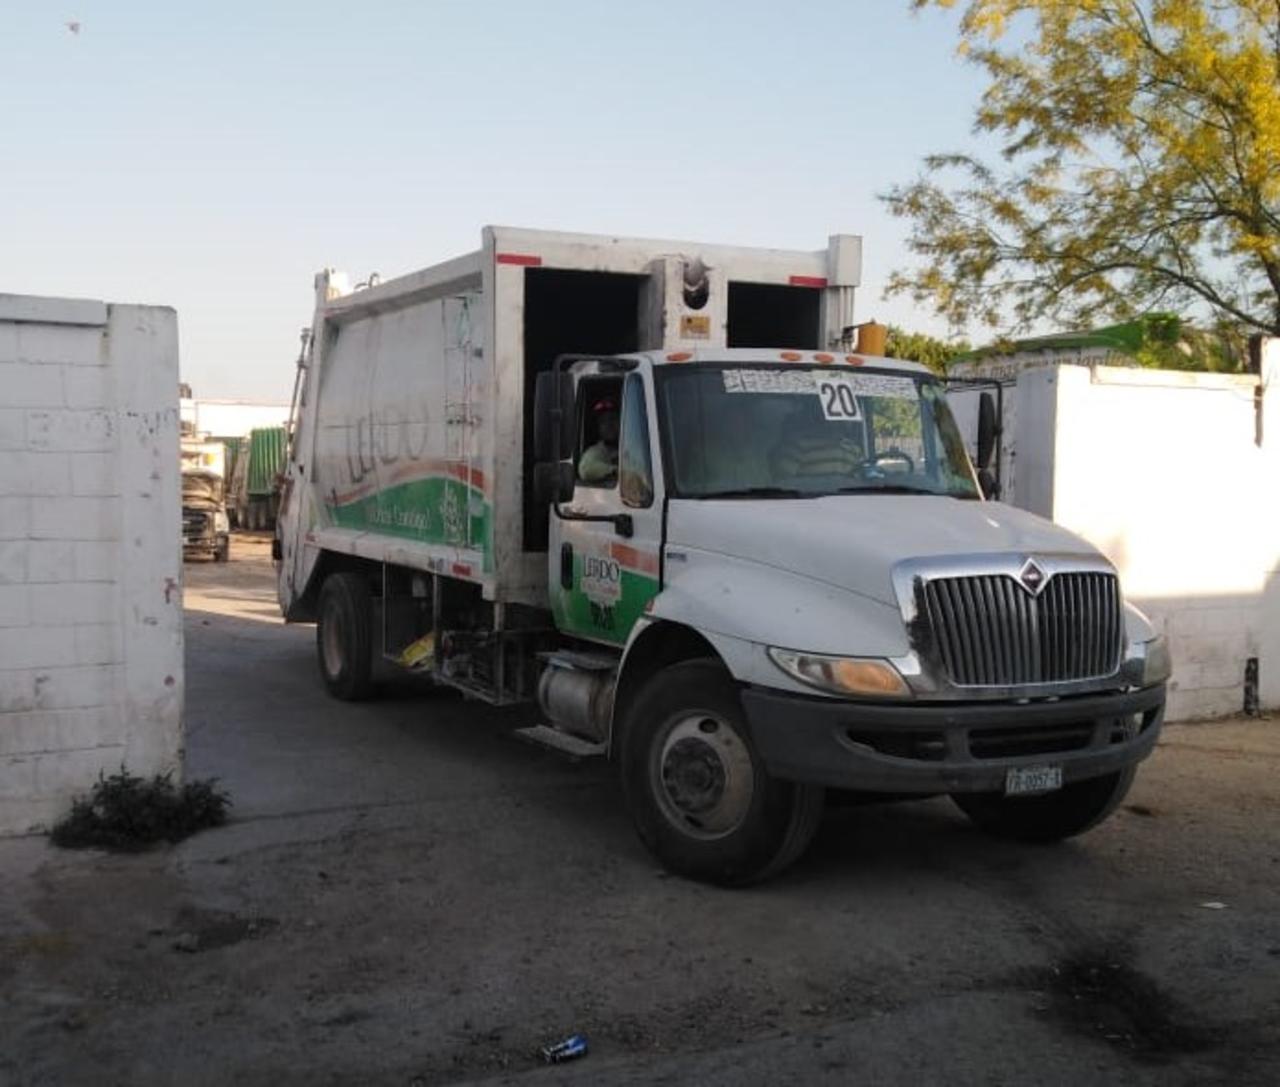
(764, 572)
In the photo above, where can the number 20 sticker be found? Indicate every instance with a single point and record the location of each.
(838, 400)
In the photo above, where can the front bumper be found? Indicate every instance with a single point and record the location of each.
(922, 747)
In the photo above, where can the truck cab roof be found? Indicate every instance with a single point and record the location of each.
(773, 356)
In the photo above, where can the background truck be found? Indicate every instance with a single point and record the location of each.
(205, 528)
(651, 491)
(255, 487)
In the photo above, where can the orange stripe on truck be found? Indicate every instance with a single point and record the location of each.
(643, 562)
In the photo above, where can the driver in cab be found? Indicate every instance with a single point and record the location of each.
(599, 462)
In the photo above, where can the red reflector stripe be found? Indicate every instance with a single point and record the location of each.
(807, 281)
(461, 569)
(525, 260)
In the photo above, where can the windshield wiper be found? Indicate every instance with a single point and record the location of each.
(760, 492)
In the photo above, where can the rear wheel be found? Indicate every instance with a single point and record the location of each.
(344, 637)
(1071, 810)
(223, 551)
(698, 793)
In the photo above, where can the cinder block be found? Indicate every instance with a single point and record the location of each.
(13, 565)
(75, 518)
(1207, 702)
(80, 687)
(13, 427)
(45, 474)
(51, 731)
(51, 562)
(15, 517)
(94, 474)
(27, 385)
(71, 431)
(65, 775)
(17, 690)
(98, 643)
(72, 603)
(15, 606)
(39, 647)
(67, 344)
(26, 814)
(88, 387)
(97, 560)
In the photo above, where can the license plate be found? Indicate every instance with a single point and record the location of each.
(1026, 780)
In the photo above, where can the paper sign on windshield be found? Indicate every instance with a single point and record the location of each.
(885, 385)
(768, 381)
(836, 393)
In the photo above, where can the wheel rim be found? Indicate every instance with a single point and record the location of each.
(331, 642)
(702, 776)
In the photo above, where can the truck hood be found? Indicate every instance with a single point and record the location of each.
(854, 541)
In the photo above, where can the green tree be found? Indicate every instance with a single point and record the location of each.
(1140, 167)
(934, 353)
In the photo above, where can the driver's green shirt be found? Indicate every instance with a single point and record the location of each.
(599, 463)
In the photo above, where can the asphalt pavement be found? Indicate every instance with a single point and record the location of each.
(406, 894)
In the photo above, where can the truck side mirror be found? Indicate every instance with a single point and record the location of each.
(987, 428)
(553, 482)
(553, 424)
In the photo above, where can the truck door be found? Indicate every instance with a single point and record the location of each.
(601, 578)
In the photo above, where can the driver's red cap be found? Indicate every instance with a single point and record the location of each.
(605, 404)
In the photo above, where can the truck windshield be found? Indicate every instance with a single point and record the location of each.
(762, 431)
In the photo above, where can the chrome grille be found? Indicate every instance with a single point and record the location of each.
(991, 632)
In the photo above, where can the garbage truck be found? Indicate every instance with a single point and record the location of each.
(254, 478)
(205, 529)
(655, 494)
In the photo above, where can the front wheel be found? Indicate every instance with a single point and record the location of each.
(1071, 810)
(699, 796)
(344, 637)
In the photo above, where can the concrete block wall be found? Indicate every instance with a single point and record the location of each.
(1164, 473)
(90, 550)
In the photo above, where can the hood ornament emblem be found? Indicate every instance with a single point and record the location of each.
(1033, 577)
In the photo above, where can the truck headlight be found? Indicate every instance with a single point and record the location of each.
(1157, 665)
(842, 675)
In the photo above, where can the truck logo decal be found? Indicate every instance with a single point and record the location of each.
(601, 579)
(1032, 577)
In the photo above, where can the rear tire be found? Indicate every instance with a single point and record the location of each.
(700, 798)
(223, 551)
(1071, 810)
(344, 637)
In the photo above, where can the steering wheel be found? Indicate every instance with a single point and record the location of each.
(894, 454)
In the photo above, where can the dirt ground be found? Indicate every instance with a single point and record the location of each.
(408, 895)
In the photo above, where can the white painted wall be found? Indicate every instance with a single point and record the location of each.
(231, 418)
(1162, 471)
(90, 553)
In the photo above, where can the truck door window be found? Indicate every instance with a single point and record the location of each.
(599, 412)
(635, 465)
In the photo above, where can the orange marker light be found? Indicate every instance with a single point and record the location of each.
(824, 358)
(791, 356)
(680, 356)
(854, 360)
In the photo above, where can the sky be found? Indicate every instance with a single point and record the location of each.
(213, 156)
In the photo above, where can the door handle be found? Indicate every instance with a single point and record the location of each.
(566, 566)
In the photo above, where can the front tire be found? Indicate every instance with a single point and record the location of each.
(344, 637)
(1071, 810)
(700, 798)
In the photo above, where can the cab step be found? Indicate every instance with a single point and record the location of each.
(573, 746)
